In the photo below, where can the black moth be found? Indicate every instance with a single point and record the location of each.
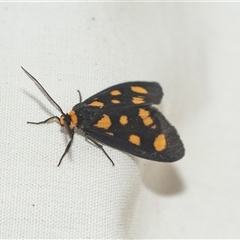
(122, 117)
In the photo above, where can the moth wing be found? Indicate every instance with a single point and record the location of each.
(140, 131)
(127, 94)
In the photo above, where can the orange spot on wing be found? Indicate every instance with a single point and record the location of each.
(115, 93)
(104, 122)
(134, 139)
(160, 143)
(123, 120)
(138, 89)
(144, 114)
(96, 104)
(148, 121)
(137, 100)
(115, 101)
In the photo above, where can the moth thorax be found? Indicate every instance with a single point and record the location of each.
(70, 119)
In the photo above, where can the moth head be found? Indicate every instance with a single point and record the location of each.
(70, 119)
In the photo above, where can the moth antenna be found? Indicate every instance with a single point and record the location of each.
(44, 92)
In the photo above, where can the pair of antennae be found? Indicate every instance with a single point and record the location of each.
(44, 92)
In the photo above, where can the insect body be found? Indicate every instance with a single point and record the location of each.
(122, 117)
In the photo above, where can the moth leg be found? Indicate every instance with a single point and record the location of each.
(45, 121)
(99, 146)
(67, 148)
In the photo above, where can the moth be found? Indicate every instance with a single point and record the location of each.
(122, 117)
